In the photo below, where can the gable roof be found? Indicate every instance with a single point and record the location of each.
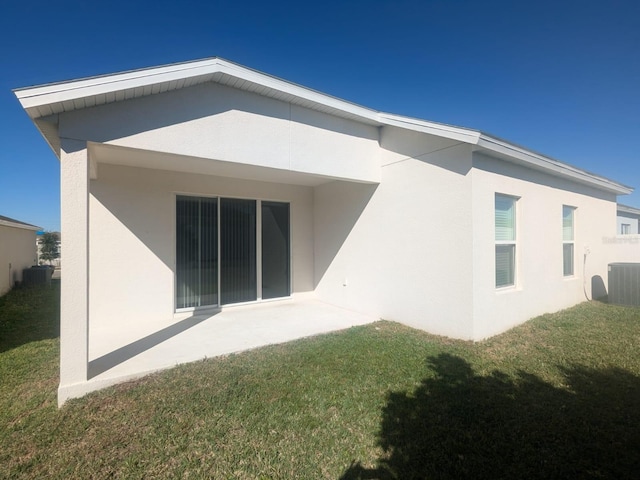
(44, 102)
(11, 222)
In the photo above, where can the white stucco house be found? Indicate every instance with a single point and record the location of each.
(628, 220)
(207, 184)
(17, 250)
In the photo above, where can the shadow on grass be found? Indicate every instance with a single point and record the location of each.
(457, 424)
(29, 314)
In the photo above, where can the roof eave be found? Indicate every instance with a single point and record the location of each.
(537, 161)
(465, 135)
(172, 76)
(24, 226)
(46, 101)
(628, 209)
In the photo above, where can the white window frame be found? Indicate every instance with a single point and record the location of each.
(625, 228)
(566, 241)
(508, 242)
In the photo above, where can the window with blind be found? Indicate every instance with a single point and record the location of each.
(505, 240)
(568, 214)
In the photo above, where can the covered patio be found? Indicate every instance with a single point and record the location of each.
(119, 355)
(190, 187)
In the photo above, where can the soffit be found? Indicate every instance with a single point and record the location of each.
(52, 99)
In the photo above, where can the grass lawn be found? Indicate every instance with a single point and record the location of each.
(558, 397)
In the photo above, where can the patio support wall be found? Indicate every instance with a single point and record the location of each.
(74, 196)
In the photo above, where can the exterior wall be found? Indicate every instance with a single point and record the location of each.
(212, 121)
(629, 219)
(540, 284)
(132, 238)
(405, 232)
(401, 250)
(17, 252)
(624, 248)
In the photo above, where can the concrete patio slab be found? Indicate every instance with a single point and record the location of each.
(116, 356)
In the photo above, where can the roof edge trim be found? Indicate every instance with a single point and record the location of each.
(31, 98)
(628, 209)
(25, 226)
(36, 96)
(542, 162)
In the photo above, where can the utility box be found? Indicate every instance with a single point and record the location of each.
(624, 284)
(39, 275)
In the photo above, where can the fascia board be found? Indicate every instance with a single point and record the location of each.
(60, 92)
(298, 91)
(554, 167)
(627, 209)
(68, 91)
(432, 128)
(89, 82)
(24, 226)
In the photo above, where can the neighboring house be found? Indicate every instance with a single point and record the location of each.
(17, 251)
(205, 184)
(628, 220)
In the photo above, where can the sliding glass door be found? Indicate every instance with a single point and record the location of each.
(196, 251)
(275, 249)
(218, 244)
(237, 250)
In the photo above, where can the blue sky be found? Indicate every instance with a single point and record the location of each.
(559, 77)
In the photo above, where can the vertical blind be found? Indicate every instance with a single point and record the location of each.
(237, 250)
(196, 251)
(275, 249)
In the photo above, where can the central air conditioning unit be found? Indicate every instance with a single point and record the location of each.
(624, 284)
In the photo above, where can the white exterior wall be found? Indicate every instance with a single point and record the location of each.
(401, 250)
(386, 221)
(212, 121)
(540, 284)
(629, 219)
(405, 232)
(624, 248)
(132, 237)
(75, 288)
(417, 247)
(17, 252)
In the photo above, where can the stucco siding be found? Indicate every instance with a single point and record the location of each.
(17, 252)
(624, 248)
(399, 250)
(216, 122)
(540, 285)
(628, 219)
(132, 238)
